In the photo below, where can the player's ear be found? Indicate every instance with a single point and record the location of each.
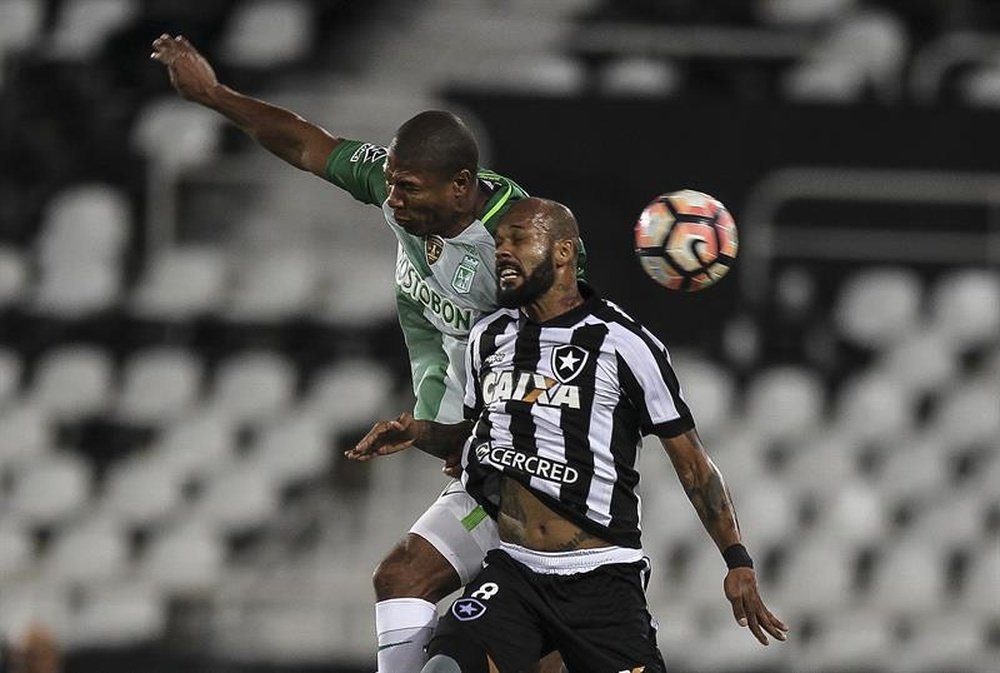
(462, 182)
(564, 252)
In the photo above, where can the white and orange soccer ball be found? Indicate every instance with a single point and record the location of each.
(686, 240)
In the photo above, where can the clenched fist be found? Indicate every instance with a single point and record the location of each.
(190, 72)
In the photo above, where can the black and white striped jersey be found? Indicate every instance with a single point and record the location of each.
(561, 407)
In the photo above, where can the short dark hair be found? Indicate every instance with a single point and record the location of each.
(437, 140)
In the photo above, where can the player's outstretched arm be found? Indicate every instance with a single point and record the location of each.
(282, 132)
(707, 491)
(404, 431)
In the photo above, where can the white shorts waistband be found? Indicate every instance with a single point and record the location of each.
(569, 562)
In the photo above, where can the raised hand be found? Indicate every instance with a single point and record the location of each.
(748, 608)
(190, 72)
(385, 438)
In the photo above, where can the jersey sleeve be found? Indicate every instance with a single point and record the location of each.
(359, 168)
(651, 385)
(473, 405)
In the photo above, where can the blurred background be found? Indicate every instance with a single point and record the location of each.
(191, 332)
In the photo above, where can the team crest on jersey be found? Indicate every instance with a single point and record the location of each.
(467, 609)
(568, 361)
(465, 274)
(433, 247)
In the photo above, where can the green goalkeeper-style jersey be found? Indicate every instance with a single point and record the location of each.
(443, 285)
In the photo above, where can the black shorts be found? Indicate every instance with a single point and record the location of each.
(598, 620)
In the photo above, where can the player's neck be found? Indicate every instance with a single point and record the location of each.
(562, 297)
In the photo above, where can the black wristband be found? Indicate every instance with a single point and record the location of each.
(736, 556)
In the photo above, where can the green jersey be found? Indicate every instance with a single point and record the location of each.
(443, 285)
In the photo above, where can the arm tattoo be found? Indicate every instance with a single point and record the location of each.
(442, 440)
(714, 505)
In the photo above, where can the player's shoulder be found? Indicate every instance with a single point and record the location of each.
(497, 319)
(624, 331)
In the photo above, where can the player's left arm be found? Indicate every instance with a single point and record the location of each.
(387, 437)
(707, 491)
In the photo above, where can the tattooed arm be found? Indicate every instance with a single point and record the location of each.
(707, 491)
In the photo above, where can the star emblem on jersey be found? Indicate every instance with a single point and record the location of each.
(433, 247)
(467, 609)
(568, 361)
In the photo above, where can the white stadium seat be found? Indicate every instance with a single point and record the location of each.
(83, 25)
(965, 307)
(10, 376)
(176, 134)
(785, 403)
(159, 385)
(873, 407)
(238, 499)
(50, 489)
(195, 444)
(88, 221)
(708, 390)
(863, 642)
(801, 588)
(20, 24)
(185, 560)
(909, 578)
(980, 593)
(352, 392)
(292, 448)
(25, 604)
(357, 290)
(119, 614)
(878, 307)
(91, 551)
(13, 276)
(268, 33)
(26, 432)
(182, 283)
(278, 285)
(77, 288)
(139, 492)
(923, 362)
(854, 513)
(73, 381)
(253, 386)
(16, 550)
(969, 414)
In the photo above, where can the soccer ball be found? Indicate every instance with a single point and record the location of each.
(685, 240)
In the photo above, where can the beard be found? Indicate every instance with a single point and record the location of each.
(534, 286)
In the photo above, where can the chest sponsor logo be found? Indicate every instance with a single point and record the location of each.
(568, 361)
(461, 282)
(410, 283)
(536, 466)
(498, 358)
(529, 387)
(433, 247)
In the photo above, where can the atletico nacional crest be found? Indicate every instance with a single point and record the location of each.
(464, 275)
(568, 361)
(433, 247)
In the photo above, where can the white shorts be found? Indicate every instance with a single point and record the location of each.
(459, 529)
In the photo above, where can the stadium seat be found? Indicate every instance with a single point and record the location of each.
(801, 13)
(357, 290)
(25, 433)
(268, 33)
(969, 414)
(979, 593)
(16, 550)
(769, 513)
(118, 615)
(76, 290)
(181, 283)
(349, 392)
(87, 222)
(916, 470)
(923, 362)
(708, 390)
(952, 641)
(253, 387)
(10, 376)
(187, 559)
(27, 603)
(83, 25)
(952, 518)
(784, 403)
(193, 445)
(159, 385)
(239, 499)
(872, 407)
(818, 465)
(965, 307)
(863, 642)
(910, 577)
(20, 24)
(138, 491)
(878, 307)
(73, 381)
(802, 587)
(856, 513)
(274, 286)
(175, 134)
(90, 551)
(639, 76)
(723, 646)
(13, 277)
(292, 448)
(50, 489)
